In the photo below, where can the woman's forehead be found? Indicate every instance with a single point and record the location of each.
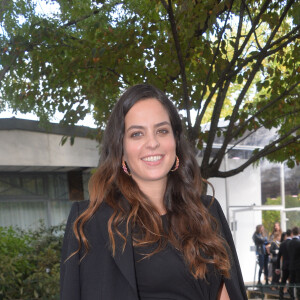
(146, 112)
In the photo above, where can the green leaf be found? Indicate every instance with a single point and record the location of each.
(63, 140)
(240, 79)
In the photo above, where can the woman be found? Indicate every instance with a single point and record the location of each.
(147, 233)
(274, 250)
(261, 242)
(276, 229)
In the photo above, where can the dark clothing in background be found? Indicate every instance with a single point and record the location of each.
(283, 252)
(263, 257)
(274, 250)
(294, 253)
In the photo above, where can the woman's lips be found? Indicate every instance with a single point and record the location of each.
(153, 160)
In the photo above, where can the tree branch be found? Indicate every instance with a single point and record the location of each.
(74, 22)
(267, 47)
(7, 67)
(199, 32)
(214, 124)
(200, 116)
(219, 156)
(287, 8)
(252, 30)
(267, 54)
(269, 149)
(223, 77)
(268, 105)
(240, 26)
(252, 132)
(180, 61)
(249, 14)
(119, 75)
(279, 40)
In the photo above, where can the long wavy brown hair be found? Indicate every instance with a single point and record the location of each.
(192, 229)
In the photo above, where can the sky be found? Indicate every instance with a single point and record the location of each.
(8, 113)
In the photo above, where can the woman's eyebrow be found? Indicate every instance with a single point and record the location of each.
(135, 127)
(143, 127)
(162, 123)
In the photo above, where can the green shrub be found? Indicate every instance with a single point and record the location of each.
(29, 263)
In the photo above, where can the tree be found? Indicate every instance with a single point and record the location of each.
(237, 60)
(270, 217)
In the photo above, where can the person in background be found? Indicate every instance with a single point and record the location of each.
(283, 237)
(274, 250)
(284, 264)
(148, 232)
(276, 229)
(260, 241)
(294, 254)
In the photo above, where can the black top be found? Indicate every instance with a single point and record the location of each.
(294, 253)
(165, 275)
(283, 251)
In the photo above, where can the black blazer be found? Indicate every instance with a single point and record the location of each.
(294, 253)
(283, 251)
(100, 276)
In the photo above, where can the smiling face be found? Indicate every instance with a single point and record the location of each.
(276, 226)
(149, 146)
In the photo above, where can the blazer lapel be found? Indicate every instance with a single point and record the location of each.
(125, 259)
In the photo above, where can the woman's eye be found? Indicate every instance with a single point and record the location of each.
(163, 131)
(136, 134)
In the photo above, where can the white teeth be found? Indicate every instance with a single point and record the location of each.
(153, 158)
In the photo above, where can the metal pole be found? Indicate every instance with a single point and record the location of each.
(255, 267)
(234, 228)
(226, 188)
(282, 191)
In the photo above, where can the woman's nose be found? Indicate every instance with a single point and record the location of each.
(152, 141)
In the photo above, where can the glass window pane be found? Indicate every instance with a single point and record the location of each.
(270, 182)
(25, 214)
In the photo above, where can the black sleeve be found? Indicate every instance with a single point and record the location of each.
(273, 248)
(69, 268)
(235, 284)
(258, 240)
(279, 257)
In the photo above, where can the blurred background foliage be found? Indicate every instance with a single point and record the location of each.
(270, 217)
(30, 263)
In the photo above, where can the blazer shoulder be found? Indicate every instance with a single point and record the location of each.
(102, 214)
(207, 200)
(81, 206)
(235, 285)
(212, 204)
(284, 244)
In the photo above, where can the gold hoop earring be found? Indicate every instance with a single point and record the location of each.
(176, 164)
(124, 167)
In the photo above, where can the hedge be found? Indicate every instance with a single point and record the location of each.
(29, 262)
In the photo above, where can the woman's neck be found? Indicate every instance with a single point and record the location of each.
(155, 191)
